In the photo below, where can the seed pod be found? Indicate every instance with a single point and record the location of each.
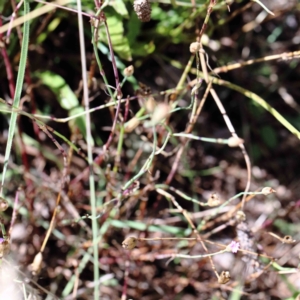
(4, 247)
(267, 191)
(3, 204)
(224, 277)
(142, 9)
(288, 240)
(240, 216)
(213, 200)
(129, 71)
(194, 47)
(129, 243)
(36, 265)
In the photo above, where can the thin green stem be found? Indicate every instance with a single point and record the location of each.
(200, 255)
(90, 154)
(203, 139)
(146, 166)
(119, 149)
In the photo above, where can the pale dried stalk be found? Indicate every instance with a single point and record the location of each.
(228, 123)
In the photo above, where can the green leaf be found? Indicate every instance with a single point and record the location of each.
(119, 7)
(119, 41)
(142, 49)
(51, 27)
(65, 96)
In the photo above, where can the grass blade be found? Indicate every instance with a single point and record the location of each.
(19, 85)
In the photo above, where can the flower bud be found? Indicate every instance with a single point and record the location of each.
(224, 277)
(194, 47)
(267, 191)
(288, 240)
(4, 247)
(129, 71)
(36, 265)
(129, 243)
(240, 216)
(213, 200)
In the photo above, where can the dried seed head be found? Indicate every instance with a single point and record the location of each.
(142, 9)
(224, 277)
(129, 243)
(194, 47)
(129, 71)
(288, 240)
(3, 204)
(36, 265)
(213, 200)
(267, 191)
(235, 141)
(160, 112)
(4, 247)
(240, 216)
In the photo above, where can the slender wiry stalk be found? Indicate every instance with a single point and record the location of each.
(34, 14)
(254, 97)
(283, 56)
(189, 128)
(90, 154)
(13, 16)
(126, 277)
(8, 67)
(205, 23)
(113, 60)
(121, 137)
(180, 85)
(49, 131)
(64, 120)
(228, 123)
(195, 231)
